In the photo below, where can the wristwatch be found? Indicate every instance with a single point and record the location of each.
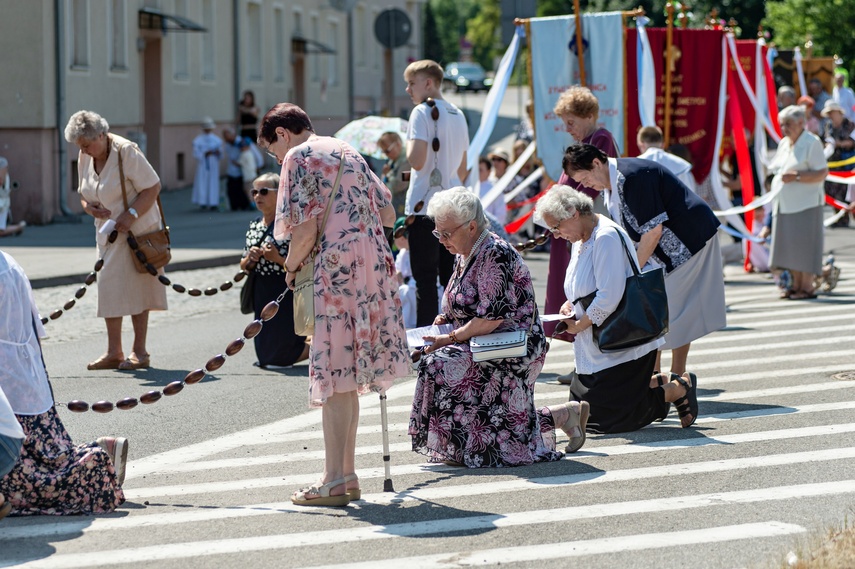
(133, 212)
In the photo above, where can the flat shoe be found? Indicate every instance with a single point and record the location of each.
(134, 363)
(688, 403)
(323, 491)
(576, 424)
(105, 363)
(354, 493)
(117, 449)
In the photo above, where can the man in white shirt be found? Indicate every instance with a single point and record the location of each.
(844, 96)
(437, 141)
(650, 141)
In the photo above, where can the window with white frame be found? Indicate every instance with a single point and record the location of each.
(118, 36)
(279, 44)
(209, 59)
(180, 65)
(332, 65)
(316, 60)
(254, 63)
(297, 21)
(361, 31)
(79, 36)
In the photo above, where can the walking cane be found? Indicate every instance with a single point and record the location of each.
(384, 420)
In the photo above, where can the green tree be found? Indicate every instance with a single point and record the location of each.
(792, 21)
(481, 30)
(449, 24)
(432, 43)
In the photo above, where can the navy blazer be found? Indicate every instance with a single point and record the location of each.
(650, 195)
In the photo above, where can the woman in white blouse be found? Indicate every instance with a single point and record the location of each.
(621, 388)
(800, 170)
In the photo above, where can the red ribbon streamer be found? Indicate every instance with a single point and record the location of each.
(741, 146)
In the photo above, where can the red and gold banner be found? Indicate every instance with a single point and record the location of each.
(695, 60)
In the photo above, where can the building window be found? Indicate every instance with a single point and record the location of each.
(79, 35)
(118, 36)
(180, 67)
(254, 65)
(378, 54)
(279, 36)
(361, 30)
(332, 66)
(209, 62)
(316, 60)
(298, 23)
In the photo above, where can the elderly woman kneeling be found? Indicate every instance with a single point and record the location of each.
(623, 393)
(482, 414)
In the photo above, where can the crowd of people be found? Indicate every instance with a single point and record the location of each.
(455, 270)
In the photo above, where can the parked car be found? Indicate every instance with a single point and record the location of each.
(466, 76)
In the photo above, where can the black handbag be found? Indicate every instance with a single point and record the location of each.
(641, 315)
(246, 293)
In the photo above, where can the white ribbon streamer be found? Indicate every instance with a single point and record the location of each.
(748, 91)
(502, 183)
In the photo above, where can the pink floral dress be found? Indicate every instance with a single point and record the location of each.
(360, 340)
(482, 414)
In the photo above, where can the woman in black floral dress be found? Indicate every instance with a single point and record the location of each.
(276, 344)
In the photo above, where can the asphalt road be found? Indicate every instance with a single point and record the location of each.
(768, 465)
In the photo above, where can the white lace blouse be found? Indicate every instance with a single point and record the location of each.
(600, 264)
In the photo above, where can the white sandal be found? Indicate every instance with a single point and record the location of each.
(299, 497)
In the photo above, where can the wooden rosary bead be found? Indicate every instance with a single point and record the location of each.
(194, 292)
(226, 286)
(235, 347)
(140, 256)
(211, 291)
(178, 288)
(98, 264)
(252, 329)
(69, 304)
(194, 376)
(78, 406)
(173, 388)
(239, 277)
(126, 403)
(90, 278)
(164, 280)
(80, 292)
(45, 320)
(270, 310)
(56, 314)
(113, 236)
(102, 407)
(215, 363)
(150, 397)
(133, 242)
(151, 269)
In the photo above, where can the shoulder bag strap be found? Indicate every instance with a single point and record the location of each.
(333, 194)
(125, 194)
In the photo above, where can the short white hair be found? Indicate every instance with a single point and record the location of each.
(561, 202)
(457, 204)
(791, 113)
(85, 124)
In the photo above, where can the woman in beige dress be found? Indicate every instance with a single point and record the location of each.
(122, 291)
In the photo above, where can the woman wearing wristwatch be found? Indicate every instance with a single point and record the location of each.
(122, 291)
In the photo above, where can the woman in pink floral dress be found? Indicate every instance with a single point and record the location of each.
(482, 414)
(359, 344)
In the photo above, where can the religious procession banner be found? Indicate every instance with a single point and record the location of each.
(696, 60)
(555, 68)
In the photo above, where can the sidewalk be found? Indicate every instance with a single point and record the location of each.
(64, 253)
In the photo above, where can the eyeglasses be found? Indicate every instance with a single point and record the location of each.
(388, 147)
(447, 234)
(555, 228)
(434, 114)
(262, 191)
(532, 243)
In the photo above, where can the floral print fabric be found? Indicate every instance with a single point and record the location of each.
(54, 477)
(359, 341)
(482, 414)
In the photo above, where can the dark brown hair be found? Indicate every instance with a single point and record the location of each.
(288, 116)
(581, 157)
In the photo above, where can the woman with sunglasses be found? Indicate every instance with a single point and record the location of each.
(482, 414)
(277, 344)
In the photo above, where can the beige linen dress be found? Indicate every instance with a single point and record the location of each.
(122, 291)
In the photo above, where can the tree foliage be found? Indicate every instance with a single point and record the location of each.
(482, 30)
(432, 43)
(450, 28)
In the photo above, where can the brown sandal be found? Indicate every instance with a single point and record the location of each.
(134, 362)
(105, 363)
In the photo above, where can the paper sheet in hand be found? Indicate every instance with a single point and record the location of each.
(414, 335)
(555, 317)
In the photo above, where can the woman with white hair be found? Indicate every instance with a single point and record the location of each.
(620, 387)
(122, 291)
(482, 414)
(800, 170)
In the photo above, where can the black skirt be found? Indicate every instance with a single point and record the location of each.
(621, 398)
(276, 344)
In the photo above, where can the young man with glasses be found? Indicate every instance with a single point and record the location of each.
(437, 141)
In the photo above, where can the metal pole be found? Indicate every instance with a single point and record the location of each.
(669, 44)
(384, 420)
(59, 56)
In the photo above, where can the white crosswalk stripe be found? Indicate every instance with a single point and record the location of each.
(775, 425)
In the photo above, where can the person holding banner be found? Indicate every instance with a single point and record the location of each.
(673, 228)
(800, 170)
(437, 142)
(579, 110)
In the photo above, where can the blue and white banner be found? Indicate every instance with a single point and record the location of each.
(555, 68)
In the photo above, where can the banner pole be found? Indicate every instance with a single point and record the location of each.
(669, 44)
(580, 42)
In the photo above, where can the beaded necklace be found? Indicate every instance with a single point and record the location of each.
(463, 262)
